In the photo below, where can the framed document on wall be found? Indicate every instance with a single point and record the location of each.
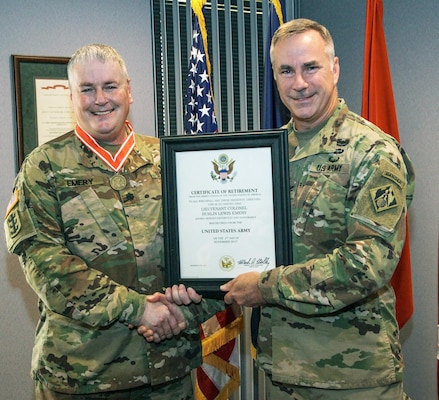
(226, 206)
(42, 101)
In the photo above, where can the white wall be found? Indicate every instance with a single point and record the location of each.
(58, 28)
(413, 37)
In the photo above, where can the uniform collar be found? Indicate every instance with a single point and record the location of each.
(138, 157)
(324, 141)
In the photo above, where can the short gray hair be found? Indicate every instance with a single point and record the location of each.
(92, 52)
(302, 25)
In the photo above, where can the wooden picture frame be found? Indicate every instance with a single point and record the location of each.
(26, 71)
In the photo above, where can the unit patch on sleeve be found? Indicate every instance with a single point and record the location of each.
(12, 217)
(383, 198)
(13, 223)
(18, 223)
(381, 201)
(12, 202)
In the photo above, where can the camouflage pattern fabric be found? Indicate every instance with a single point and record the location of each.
(180, 389)
(275, 391)
(92, 254)
(330, 320)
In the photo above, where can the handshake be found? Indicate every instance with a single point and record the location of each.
(162, 317)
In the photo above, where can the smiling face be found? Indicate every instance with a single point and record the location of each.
(306, 78)
(101, 98)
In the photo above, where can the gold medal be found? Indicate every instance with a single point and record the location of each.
(118, 182)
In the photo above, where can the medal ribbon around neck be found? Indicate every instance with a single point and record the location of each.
(116, 162)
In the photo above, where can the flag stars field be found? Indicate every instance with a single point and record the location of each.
(219, 375)
(199, 106)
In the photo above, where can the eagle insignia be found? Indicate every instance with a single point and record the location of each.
(223, 169)
(227, 263)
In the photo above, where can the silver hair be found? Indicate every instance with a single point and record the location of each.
(92, 52)
(302, 25)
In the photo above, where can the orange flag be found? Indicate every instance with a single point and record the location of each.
(378, 106)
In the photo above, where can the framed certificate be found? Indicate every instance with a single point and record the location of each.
(226, 206)
(42, 101)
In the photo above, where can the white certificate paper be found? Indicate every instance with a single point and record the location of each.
(53, 107)
(225, 212)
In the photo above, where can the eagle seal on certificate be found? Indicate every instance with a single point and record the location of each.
(227, 263)
(223, 169)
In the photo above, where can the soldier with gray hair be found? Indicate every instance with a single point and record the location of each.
(328, 328)
(85, 219)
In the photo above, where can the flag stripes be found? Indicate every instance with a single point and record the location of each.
(218, 377)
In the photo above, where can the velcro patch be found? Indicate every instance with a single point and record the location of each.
(80, 182)
(390, 175)
(12, 203)
(12, 217)
(331, 168)
(383, 198)
(381, 201)
(13, 223)
(18, 223)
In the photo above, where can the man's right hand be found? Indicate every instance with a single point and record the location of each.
(161, 319)
(173, 322)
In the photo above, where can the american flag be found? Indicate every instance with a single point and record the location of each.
(199, 105)
(219, 375)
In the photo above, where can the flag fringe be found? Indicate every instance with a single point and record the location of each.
(219, 363)
(224, 366)
(197, 8)
(278, 8)
(222, 336)
(253, 351)
(199, 395)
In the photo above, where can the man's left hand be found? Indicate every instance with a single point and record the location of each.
(243, 290)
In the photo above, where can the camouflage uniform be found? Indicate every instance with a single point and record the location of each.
(330, 319)
(91, 254)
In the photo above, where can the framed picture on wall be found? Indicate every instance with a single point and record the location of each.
(42, 101)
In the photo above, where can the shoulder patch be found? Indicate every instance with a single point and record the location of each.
(392, 172)
(383, 198)
(12, 203)
(393, 177)
(13, 223)
(18, 223)
(381, 202)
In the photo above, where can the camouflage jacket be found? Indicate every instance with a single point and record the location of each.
(92, 253)
(330, 319)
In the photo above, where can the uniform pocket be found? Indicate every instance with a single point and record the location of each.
(320, 210)
(89, 229)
